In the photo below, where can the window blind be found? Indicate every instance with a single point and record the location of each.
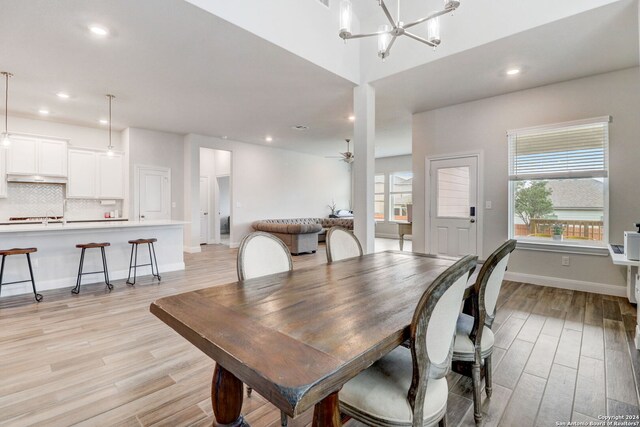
(560, 151)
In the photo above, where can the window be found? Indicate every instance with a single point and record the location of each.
(400, 184)
(558, 183)
(453, 192)
(379, 197)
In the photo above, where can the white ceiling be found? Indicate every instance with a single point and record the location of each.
(593, 42)
(174, 67)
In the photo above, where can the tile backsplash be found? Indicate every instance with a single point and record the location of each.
(39, 200)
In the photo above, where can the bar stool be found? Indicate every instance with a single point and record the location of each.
(84, 247)
(133, 262)
(20, 251)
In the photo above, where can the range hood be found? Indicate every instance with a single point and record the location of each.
(36, 179)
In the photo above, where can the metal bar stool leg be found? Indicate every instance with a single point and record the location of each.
(135, 265)
(2, 272)
(156, 262)
(37, 296)
(106, 271)
(153, 274)
(130, 264)
(76, 290)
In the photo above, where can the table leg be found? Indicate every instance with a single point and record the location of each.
(226, 398)
(401, 241)
(327, 412)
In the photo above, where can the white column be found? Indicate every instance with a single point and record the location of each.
(364, 100)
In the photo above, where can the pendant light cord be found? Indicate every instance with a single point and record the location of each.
(6, 103)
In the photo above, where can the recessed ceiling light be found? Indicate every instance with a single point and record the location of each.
(44, 112)
(98, 30)
(268, 139)
(104, 121)
(63, 95)
(513, 71)
(225, 137)
(352, 118)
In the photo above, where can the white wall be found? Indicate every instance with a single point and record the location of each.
(153, 148)
(78, 136)
(482, 125)
(387, 165)
(265, 183)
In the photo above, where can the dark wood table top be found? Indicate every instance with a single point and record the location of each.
(297, 337)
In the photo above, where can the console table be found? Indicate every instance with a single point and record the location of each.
(404, 228)
(633, 278)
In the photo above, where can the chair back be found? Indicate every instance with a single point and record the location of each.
(261, 254)
(342, 244)
(489, 282)
(433, 329)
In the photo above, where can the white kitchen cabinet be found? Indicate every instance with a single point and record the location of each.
(95, 175)
(110, 176)
(3, 173)
(82, 174)
(22, 156)
(52, 157)
(36, 156)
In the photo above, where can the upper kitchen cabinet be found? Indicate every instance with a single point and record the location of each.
(82, 174)
(3, 173)
(110, 176)
(37, 156)
(95, 175)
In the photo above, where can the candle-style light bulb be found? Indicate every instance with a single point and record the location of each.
(346, 17)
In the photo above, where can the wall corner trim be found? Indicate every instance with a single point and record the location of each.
(574, 285)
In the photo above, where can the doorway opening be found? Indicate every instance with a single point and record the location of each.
(215, 196)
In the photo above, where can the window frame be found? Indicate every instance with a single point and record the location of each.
(384, 197)
(390, 208)
(552, 245)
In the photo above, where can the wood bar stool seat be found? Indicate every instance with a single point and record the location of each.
(105, 270)
(92, 245)
(20, 251)
(133, 262)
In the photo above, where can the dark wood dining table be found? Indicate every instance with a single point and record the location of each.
(297, 337)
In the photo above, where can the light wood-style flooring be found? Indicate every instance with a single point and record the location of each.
(101, 359)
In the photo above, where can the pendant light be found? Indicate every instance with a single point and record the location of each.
(110, 147)
(5, 136)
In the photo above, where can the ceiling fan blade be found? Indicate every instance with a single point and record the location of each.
(333, 157)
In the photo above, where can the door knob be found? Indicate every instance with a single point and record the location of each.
(472, 220)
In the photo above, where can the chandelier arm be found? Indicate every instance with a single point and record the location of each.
(420, 39)
(386, 52)
(388, 14)
(359, 36)
(426, 18)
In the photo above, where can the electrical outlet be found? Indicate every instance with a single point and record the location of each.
(565, 261)
(488, 204)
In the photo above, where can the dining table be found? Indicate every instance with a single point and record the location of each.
(297, 337)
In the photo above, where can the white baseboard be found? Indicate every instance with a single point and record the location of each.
(233, 245)
(192, 249)
(574, 285)
(69, 282)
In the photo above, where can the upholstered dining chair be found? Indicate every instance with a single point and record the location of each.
(473, 345)
(342, 244)
(407, 387)
(261, 254)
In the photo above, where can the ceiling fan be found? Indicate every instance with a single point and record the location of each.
(347, 156)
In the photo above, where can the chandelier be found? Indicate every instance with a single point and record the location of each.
(388, 33)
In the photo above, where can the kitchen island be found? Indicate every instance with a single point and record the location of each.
(55, 265)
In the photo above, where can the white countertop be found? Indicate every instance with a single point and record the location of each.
(620, 259)
(39, 227)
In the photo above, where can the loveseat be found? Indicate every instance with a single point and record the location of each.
(301, 234)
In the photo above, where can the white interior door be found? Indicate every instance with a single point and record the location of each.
(154, 193)
(453, 209)
(204, 210)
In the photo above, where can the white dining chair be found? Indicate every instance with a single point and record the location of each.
(473, 345)
(407, 387)
(342, 244)
(261, 254)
